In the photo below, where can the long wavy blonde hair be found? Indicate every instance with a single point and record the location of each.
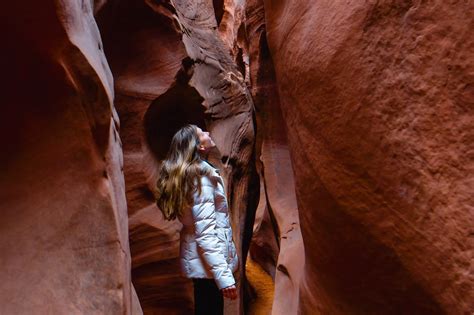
(179, 173)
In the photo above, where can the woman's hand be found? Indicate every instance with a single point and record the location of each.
(230, 292)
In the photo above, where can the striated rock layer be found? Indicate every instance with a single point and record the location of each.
(377, 98)
(228, 114)
(172, 67)
(64, 245)
(146, 53)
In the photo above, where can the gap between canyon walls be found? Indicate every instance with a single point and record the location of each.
(229, 114)
(171, 66)
(277, 243)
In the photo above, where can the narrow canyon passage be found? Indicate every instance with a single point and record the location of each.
(263, 286)
(344, 133)
(171, 70)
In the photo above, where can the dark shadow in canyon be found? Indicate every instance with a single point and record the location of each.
(218, 10)
(178, 106)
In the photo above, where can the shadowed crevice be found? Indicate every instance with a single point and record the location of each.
(179, 106)
(218, 10)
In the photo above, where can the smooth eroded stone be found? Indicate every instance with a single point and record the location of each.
(377, 99)
(64, 220)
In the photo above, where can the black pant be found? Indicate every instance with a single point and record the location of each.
(208, 299)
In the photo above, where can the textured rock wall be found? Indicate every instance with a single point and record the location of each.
(146, 52)
(229, 115)
(64, 245)
(277, 243)
(368, 104)
(378, 98)
(173, 67)
(228, 108)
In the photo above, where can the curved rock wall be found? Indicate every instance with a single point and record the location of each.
(172, 67)
(146, 53)
(365, 136)
(277, 243)
(229, 114)
(64, 245)
(377, 98)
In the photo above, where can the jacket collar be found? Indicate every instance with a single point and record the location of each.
(215, 168)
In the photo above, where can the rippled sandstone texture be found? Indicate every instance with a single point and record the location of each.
(145, 53)
(64, 235)
(378, 102)
(173, 67)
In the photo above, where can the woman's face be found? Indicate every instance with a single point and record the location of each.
(205, 141)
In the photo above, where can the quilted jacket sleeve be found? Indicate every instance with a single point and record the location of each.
(204, 216)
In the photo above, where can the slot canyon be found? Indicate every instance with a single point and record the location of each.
(344, 132)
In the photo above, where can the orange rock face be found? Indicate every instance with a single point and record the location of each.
(64, 244)
(172, 67)
(146, 52)
(354, 120)
(378, 103)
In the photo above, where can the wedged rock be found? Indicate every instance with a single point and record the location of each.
(377, 98)
(64, 220)
(231, 23)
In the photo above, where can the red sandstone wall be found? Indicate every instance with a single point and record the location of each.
(171, 67)
(377, 98)
(277, 242)
(64, 235)
(145, 54)
(376, 102)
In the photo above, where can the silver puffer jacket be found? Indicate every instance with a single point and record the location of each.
(206, 247)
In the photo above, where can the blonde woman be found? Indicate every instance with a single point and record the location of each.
(191, 189)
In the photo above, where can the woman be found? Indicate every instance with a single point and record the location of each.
(191, 189)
